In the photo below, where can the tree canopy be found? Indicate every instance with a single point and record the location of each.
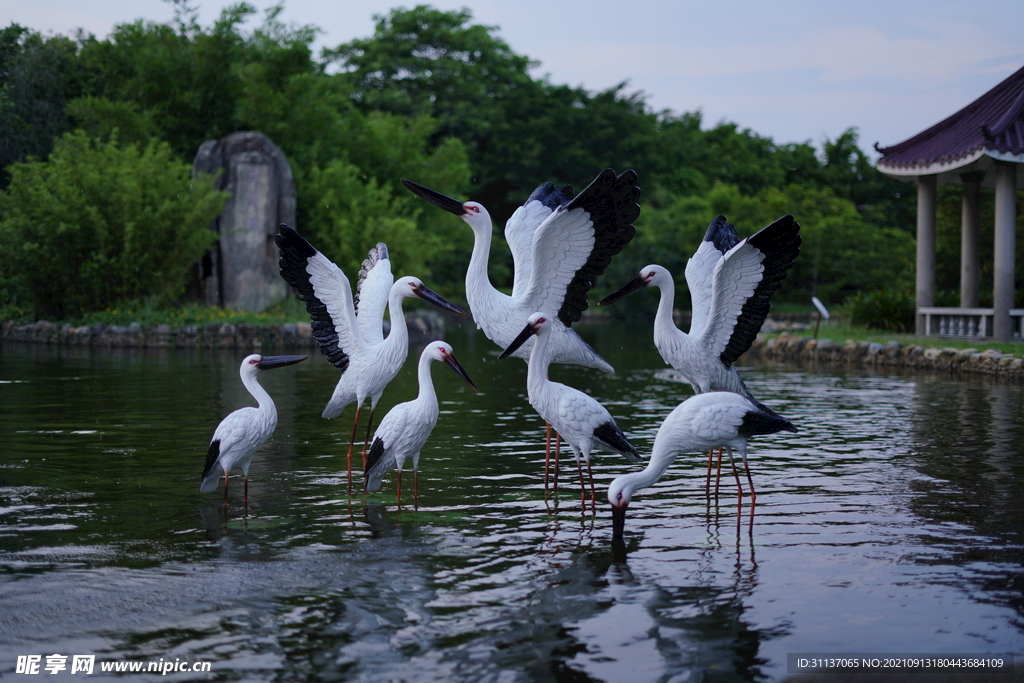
(437, 98)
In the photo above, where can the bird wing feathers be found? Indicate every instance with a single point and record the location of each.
(374, 286)
(719, 238)
(743, 282)
(326, 293)
(520, 228)
(574, 245)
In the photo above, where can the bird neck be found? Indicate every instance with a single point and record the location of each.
(399, 334)
(478, 283)
(663, 323)
(426, 381)
(659, 462)
(263, 400)
(537, 368)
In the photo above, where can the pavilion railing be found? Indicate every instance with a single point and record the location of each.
(965, 322)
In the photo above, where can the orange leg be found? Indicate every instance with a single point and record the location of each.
(398, 493)
(736, 475)
(226, 480)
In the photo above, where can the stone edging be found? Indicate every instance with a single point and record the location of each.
(422, 325)
(791, 346)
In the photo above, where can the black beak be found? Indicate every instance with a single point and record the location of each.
(625, 290)
(459, 370)
(436, 198)
(271, 362)
(427, 294)
(527, 332)
(618, 522)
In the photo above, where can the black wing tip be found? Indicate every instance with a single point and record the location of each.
(611, 200)
(290, 241)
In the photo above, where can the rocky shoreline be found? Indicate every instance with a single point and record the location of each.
(788, 346)
(422, 325)
(425, 325)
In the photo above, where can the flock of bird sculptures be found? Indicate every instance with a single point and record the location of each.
(560, 244)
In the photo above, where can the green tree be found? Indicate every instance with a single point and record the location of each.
(99, 223)
(38, 77)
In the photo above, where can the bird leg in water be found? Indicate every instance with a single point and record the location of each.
(718, 473)
(583, 486)
(245, 489)
(398, 494)
(707, 480)
(366, 441)
(547, 452)
(753, 494)
(351, 442)
(736, 475)
(558, 442)
(226, 479)
(416, 485)
(593, 494)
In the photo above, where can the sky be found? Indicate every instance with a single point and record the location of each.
(791, 70)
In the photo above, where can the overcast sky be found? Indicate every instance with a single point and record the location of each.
(792, 70)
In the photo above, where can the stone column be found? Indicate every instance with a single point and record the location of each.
(970, 240)
(926, 185)
(1004, 246)
(242, 272)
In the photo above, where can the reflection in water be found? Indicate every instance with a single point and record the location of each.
(892, 521)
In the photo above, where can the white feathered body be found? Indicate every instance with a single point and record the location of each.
(575, 415)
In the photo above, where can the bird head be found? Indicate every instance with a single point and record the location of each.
(619, 494)
(410, 286)
(472, 212)
(538, 323)
(649, 275)
(442, 351)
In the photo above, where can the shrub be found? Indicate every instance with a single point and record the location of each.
(884, 309)
(98, 223)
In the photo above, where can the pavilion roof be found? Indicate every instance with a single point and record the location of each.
(991, 125)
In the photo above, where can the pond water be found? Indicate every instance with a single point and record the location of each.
(893, 522)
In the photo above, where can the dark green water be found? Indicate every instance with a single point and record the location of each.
(893, 522)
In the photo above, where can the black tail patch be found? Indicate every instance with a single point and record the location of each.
(211, 457)
(610, 434)
(373, 456)
(764, 420)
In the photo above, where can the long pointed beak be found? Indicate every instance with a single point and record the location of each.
(527, 332)
(459, 370)
(271, 362)
(436, 198)
(625, 290)
(618, 522)
(427, 294)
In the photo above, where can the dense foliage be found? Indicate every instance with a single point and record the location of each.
(100, 223)
(434, 97)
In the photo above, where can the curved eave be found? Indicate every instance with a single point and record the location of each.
(981, 159)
